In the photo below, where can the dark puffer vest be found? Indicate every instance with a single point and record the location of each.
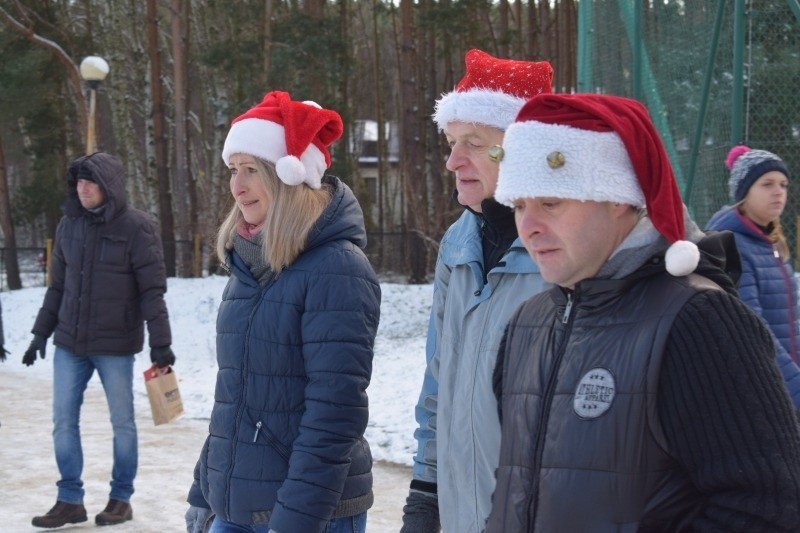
(582, 446)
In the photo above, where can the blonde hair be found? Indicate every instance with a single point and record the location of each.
(776, 236)
(292, 213)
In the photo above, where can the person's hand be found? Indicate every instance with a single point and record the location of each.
(3, 353)
(198, 519)
(421, 513)
(38, 344)
(162, 357)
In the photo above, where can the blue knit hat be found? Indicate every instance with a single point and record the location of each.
(746, 166)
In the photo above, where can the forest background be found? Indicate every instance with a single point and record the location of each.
(180, 70)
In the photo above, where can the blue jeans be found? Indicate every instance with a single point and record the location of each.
(71, 373)
(347, 524)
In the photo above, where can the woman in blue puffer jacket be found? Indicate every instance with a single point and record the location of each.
(758, 189)
(295, 335)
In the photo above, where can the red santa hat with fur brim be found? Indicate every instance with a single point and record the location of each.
(492, 90)
(293, 135)
(600, 148)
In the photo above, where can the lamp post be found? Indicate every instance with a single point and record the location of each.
(94, 69)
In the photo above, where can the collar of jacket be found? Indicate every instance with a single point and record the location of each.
(461, 245)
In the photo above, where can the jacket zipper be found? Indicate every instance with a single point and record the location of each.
(241, 407)
(547, 398)
(567, 309)
(792, 336)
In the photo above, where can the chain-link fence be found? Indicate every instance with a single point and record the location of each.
(713, 73)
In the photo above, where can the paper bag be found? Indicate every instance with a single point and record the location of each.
(163, 393)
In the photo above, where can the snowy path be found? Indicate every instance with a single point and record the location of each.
(167, 455)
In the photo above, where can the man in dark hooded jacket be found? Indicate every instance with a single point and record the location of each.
(640, 393)
(108, 279)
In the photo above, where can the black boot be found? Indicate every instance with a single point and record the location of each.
(61, 513)
(116, 512)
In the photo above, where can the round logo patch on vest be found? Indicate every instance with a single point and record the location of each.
(595, 393)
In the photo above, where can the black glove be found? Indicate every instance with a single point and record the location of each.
(421, 513)
(3, 353)
(162, 357)
(38, 344)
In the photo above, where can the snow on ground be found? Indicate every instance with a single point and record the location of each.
(27, 466)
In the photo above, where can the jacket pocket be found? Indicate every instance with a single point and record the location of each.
(113, 249)
(272, 440)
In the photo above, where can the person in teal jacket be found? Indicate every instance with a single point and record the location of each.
(758, 186)
(482, 274)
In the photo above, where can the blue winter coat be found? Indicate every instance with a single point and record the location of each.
(769, 287)
(285, 444)
(459, 431)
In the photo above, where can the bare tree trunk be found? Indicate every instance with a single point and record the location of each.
(569, 58)
(266, 27)
(416, 215)
(315, 10)
(194, 207)
(517, 48)
(10, 256)
(504, 40)
(160, 141)
(212, 127)
(532, 43)
(545, 39)
(347, 106)
(440, 198)
(180, 172)
(379, 114)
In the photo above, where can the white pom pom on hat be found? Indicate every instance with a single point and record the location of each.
(599, 148)
(682, 258)
(290, 170)
(293, 135)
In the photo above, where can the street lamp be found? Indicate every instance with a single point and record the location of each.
(94, 69)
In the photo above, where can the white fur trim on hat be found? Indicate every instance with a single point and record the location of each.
(261, 138)
(314, 162)
(478, 106)
(266, 140)
(594, 165)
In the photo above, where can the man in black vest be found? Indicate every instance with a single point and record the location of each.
(639, 394)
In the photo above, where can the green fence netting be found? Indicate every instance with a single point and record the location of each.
(713, 73)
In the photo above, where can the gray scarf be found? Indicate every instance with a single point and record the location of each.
(252, 254)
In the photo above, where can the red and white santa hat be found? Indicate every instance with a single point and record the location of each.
(293, 135)
(493, 90)
(600, 148)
